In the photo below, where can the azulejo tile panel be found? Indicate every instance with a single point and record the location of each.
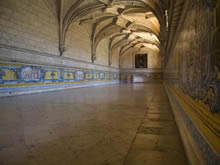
(192, 74)
(37, 75)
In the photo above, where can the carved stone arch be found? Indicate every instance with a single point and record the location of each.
(73, 16)
(142, 4)
(118, 43)
(122, 55)
(63, 21)
(111, 40)
(96, 18)
(129, 47)
(132, 46)
(123, 42)
(111, 46)
(107, 31)
(71, 10)
(76, 12)
(126, 45)
(142, 28)
(93, 37)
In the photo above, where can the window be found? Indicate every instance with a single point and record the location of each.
(167, 20)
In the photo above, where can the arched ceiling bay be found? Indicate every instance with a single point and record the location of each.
(128, 24)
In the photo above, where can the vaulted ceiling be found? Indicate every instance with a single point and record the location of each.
(128, 24)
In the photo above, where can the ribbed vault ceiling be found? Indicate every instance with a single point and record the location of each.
(128, 24)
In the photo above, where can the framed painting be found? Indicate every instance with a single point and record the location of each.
(141, 61)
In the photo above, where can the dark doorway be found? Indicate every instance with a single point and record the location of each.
(141, 61)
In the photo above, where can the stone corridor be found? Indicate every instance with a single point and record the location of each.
(105, 125)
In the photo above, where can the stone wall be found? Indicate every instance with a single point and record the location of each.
(130, 74)
(29, 36)
(28, 24)
(141, 75)
(192, 81)
(32, 27)
(154, 59)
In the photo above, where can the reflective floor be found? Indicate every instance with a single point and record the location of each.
(105, 125)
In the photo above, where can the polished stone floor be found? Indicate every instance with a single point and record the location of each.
(105, 125)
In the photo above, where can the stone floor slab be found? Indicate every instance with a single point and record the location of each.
(104, 125)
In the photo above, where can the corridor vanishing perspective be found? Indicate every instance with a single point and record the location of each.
(109, 82)
(123, 124)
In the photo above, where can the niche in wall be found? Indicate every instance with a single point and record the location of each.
(141, 60)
